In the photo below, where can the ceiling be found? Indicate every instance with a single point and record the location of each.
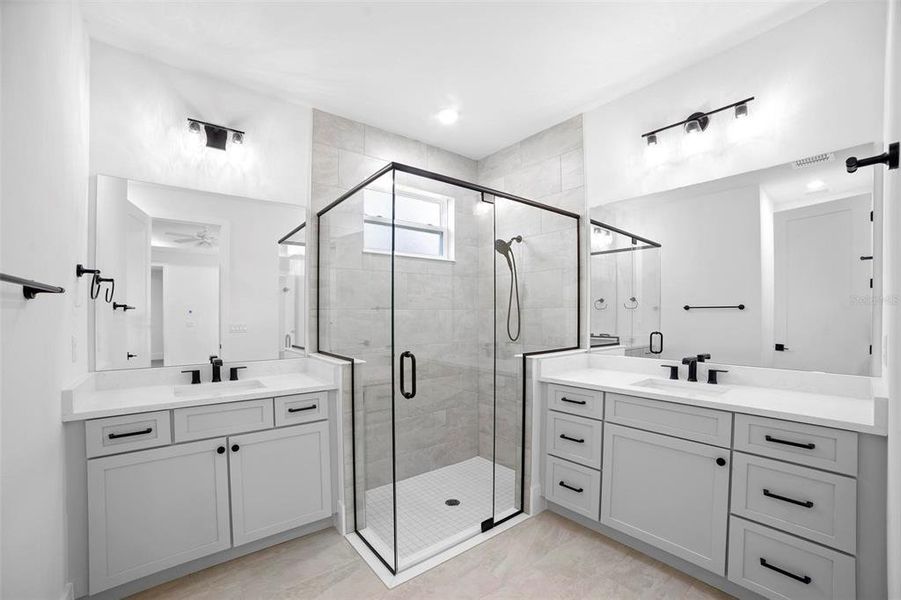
(511, 69)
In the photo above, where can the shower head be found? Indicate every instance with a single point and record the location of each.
(503, 248)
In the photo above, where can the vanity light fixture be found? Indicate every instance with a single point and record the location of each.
(697, 122)
(216, 135)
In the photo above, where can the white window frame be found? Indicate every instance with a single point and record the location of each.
(445, 227)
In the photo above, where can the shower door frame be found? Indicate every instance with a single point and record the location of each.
(394, 167)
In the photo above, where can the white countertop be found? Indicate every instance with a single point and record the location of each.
(79, 405)
(866, 415)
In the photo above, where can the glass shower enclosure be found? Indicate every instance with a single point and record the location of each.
(625, 288)
(435, 288)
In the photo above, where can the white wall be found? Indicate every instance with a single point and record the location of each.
(139, 130)
(818, 83)
(44, 224)
(892, 287)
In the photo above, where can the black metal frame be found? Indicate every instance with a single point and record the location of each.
(284, 239)
(635, 239)
(393, 168)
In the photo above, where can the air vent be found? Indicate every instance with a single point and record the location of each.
(810, 161)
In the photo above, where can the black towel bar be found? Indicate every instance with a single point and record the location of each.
(30, 288)
(738, 306)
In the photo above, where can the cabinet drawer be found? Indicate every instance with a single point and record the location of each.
(698, 424)
(576, 401)
(574, 438)
(573, 486)
(821, 447)
(199, 422)
(301, 408)
(781, 566)
(124, 434)
(813, 504)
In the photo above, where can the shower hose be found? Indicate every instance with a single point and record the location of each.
(514, 285)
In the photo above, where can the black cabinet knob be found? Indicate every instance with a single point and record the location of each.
(235, 447)
(721, 462)
(221, 449)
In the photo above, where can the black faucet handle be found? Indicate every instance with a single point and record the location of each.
(711, 375)
(673, 371)
(195, 375)
(703, 357)
(233, 373)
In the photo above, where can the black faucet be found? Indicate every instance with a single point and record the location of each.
(692, 362)
(217, 365)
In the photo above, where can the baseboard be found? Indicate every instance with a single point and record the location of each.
(712, 579)
(155, 579)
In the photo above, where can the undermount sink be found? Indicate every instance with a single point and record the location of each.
(217, 389)
(685, 387)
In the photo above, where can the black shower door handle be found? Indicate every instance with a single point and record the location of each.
(403, 386)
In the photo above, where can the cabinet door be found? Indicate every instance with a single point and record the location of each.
(668, 492)
(154, 509)
(280, 479)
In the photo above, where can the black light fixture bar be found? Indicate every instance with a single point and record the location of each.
(697, 116)
(204, 123)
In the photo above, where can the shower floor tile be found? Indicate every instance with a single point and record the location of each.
(426, 525)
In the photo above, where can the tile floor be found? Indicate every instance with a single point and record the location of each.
(426, 525)
(545, 557)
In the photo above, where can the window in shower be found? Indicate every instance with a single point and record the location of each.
(423, 223)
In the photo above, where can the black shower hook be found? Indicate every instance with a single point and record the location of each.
(110, 291)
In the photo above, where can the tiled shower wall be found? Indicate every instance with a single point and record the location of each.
(448, 308)
(547, 167)
(435, 303)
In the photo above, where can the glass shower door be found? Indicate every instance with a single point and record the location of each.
(443, 349)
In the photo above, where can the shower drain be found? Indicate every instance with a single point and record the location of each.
(452, 502)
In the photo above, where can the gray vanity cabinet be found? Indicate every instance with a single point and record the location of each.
(668, 492)
(154, 509)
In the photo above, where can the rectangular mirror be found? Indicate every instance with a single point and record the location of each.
(771, 268)
(186, 275)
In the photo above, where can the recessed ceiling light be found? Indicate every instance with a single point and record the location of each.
(448, 116)
(816, 185)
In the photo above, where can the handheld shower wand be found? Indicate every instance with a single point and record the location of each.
(506, 249)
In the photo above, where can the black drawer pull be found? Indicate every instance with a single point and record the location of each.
(804, 503)
(563, 436)
(805, 579)
(807, 446)
(301, 409)
(115, 436)
(565, 399)
(569, 487)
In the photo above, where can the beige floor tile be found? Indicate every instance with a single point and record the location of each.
(545, 557)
